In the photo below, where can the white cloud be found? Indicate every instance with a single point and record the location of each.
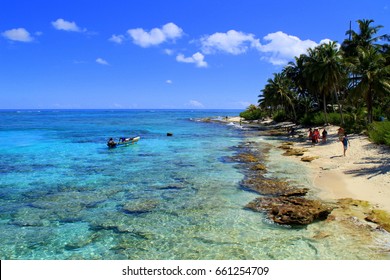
(168, 82)
(117, 39)
(169, 51)
(233, 42)
(156, 36)
(101, 61)
(18, 34)
(61, 24)
(281, 47)
(197, 59)
(195, 104)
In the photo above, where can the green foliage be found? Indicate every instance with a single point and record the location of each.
(355, 77)
(252, 113)
(379, 132)
(318, 119)
(351, 124)
(280, 116)
(380, 113)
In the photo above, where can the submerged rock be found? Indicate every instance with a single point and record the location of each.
(171, 187)
(380, 217)
(274, 132)
(265, 186)
(285, 147)
(138, 207)
(205, 120)
(291, 210)
(321, 235)
(245, 157)
(295, 152)
(80, 242)
(30, 217)
(258, 167)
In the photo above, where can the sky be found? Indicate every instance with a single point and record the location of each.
(144, 54)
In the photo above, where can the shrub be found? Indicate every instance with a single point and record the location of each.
(379, 132)
(318, 119)
(252, 114)
(279, 116)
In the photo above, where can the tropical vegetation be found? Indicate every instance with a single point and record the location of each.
(347, 84)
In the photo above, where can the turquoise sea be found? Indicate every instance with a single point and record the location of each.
(65, 195)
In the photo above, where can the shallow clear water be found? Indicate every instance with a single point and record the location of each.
(65, 195)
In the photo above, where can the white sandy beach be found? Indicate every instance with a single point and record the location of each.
(364, 173)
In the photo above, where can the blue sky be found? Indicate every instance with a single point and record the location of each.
(134, 54)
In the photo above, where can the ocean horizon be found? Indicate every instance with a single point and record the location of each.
(65, 195)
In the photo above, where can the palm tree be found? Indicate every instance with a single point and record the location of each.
(333, 69)
(313, 76)
(295, 71)
(277, 92)
(372, 76)
(365, 38)
(325, 72)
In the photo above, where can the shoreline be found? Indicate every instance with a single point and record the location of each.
(363, 174)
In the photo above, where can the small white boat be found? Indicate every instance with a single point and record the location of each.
(123, 141)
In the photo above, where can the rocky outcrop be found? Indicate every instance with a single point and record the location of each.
(379, 217)
(309, 158)
(258, 167)
(270, 187)
(295, 152)
(283, 203)
(291, 210)
(245, 158)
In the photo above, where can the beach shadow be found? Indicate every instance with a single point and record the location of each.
(376, 166)
(335, 156)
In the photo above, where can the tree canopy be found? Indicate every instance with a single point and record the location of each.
(352, 78)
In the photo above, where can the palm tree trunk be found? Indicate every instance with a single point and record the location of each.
(369, 105)
(325, 114)
(339, 105)
(294, 114)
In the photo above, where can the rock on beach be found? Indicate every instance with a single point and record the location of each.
(291, 210)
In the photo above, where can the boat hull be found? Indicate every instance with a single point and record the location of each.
(126, 142)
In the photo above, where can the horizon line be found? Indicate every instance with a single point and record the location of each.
(113, 109)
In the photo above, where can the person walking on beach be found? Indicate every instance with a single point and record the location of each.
(310, 133)
(324, 135)
(345, 142)
(340, 133)
(315, 136)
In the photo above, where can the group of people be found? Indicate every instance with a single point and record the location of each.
(314, 136)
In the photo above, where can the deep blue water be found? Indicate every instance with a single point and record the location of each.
(65, 195)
